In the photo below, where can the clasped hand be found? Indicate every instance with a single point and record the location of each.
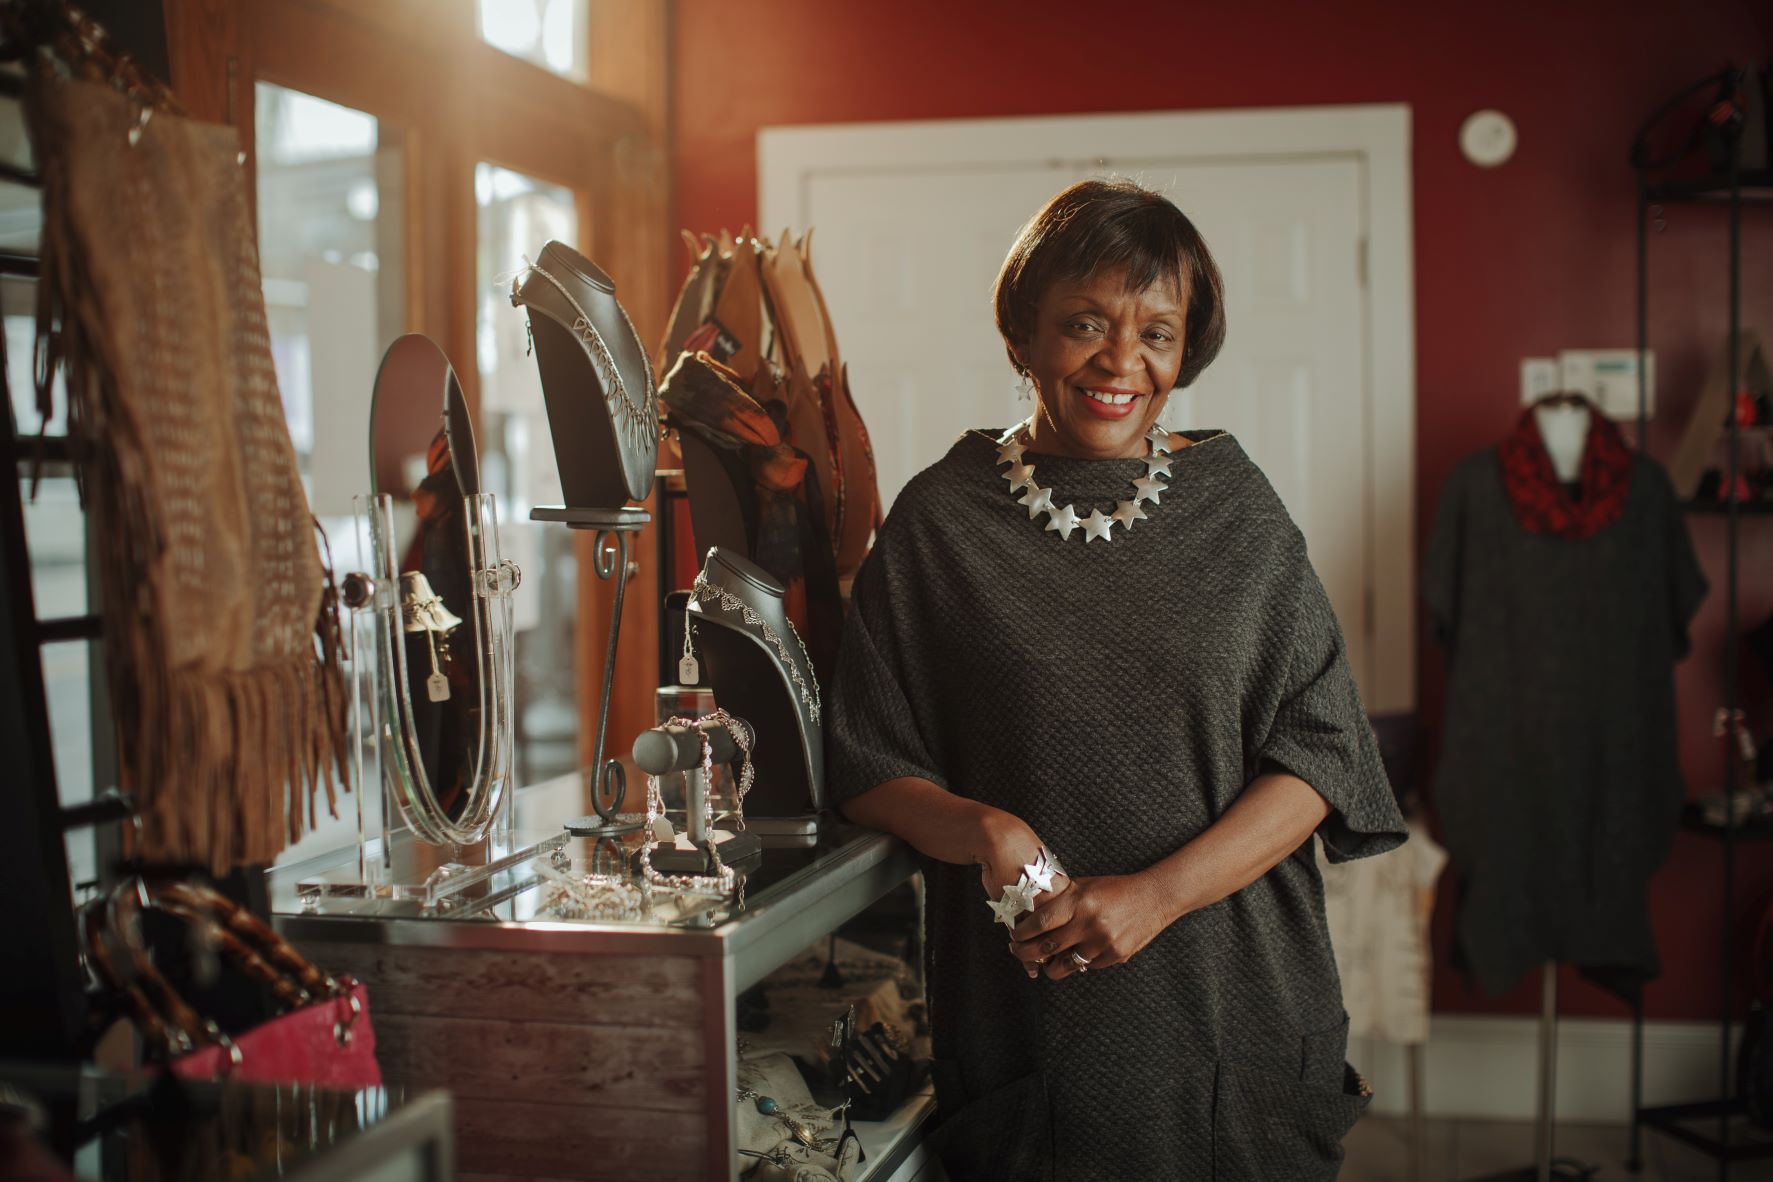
(1105, 920)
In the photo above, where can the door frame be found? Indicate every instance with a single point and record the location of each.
(1377, 134)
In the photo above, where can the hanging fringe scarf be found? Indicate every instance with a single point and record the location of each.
(221, 634)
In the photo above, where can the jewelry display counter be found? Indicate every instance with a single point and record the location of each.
(601, 1047)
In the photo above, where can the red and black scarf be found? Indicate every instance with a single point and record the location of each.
(1542, 504)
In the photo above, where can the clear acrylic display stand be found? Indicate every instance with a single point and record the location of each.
(410, 848)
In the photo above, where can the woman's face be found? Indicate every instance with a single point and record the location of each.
(1103, 360)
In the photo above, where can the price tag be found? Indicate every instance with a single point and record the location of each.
(436, 685)
(689, 671)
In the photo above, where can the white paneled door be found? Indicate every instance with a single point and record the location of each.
(906, 262)
(906, 255)
(1290, 382)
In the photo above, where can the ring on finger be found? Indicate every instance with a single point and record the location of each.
(1082, 962)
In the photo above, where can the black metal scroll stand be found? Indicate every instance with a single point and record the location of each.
(609, 783)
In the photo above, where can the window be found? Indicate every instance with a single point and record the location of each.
(331, 244)
(549, 33)
(55, 534)
(369, 200)
(55, 522)
(370, 184)
(517, 214)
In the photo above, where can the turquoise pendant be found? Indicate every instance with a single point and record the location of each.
(768, 1106)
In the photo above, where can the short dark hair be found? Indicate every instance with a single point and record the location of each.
(1109, 224)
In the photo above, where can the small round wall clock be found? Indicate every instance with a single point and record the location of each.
(1487, 138)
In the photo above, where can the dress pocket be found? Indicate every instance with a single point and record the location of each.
(1005, 1135)
(1323, 1055)
(1267, 1126)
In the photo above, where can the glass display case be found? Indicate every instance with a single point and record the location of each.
(131, 1127)
(600, 1040)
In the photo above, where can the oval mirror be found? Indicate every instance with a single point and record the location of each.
(444, 658)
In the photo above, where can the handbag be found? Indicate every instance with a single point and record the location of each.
(321, 1036)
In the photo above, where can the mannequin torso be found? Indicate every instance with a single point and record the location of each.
(1563, 427)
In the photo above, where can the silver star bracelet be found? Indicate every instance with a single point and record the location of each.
(1018, 897)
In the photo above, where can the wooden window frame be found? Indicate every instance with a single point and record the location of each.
(420, 65)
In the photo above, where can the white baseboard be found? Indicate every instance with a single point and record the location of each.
(1487, 1068)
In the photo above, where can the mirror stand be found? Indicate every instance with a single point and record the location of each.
(614, 529)
(416, 849)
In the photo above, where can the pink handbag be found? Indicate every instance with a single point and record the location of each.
(323, 1037)
(328, 1043)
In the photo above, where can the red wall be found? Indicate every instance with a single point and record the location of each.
(1522, 260)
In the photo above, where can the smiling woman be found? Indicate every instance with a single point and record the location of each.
(1167, 718)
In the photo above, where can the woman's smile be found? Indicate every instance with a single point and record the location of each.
(1108, 402)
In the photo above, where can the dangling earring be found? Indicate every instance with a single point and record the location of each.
(1025, 387)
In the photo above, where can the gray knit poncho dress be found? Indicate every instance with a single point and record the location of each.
(1559, 785)
(1118, 696)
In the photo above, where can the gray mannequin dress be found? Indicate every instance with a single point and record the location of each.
(1118, 696)
(1559, 786)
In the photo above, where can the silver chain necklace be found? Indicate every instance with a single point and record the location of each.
(640, 418)
(1063, 519)
(809, 695)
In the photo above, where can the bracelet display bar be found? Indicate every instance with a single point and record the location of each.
(677, 749)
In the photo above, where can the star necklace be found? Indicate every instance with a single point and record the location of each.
(1063, 519)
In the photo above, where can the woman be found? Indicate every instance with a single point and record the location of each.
(1090, 634)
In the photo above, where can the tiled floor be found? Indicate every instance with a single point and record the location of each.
(1468, 1150)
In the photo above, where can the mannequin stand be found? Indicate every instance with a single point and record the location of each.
(1546, 1168)
(609, 783)
(1418, 1129)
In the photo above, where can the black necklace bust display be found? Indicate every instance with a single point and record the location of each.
(760, 670)
(596, 380)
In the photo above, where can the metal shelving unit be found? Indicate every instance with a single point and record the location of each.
(46, 1009)
(1720, 1127)
(43, 997)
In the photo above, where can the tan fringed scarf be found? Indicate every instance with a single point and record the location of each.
(221, 633)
